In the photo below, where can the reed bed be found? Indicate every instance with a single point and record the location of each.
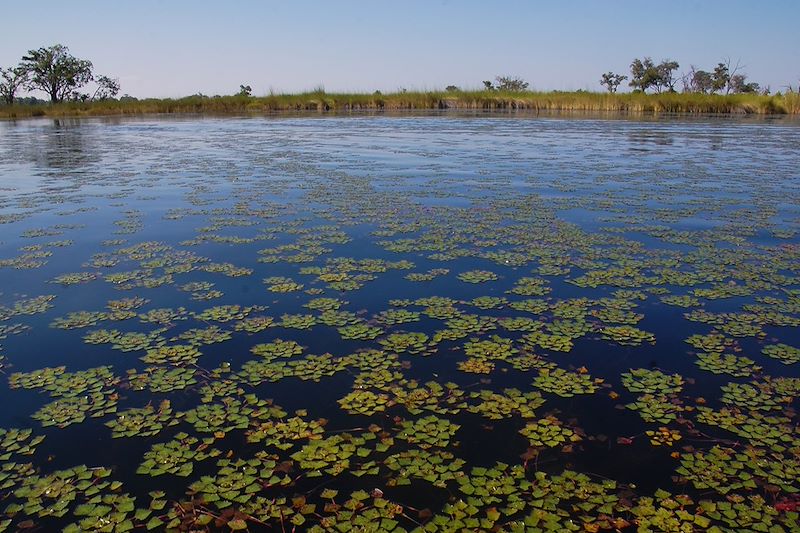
(468, 100)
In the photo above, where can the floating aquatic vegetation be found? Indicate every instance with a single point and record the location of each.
(539, 339)
(175, 354)
(626, 335)
(43, 377)
(134, 341)
(759, 429)
(430, 275)
(53, 495)
(753, 396)
(201, 336)
(325, 304)
(520, 323)
(60, 383)
(338, 318)
(163, 316)
(663, 436)
(393, 317)
(533, 306)
(654, 408)
(18, 441)
(237, 480)
(784, 353)
(229, 414)
(370, 360)
(28, 306)
(617, 316)
(563, 383)
(282, 285)
(437, 467)
(315, 367)
(727, 364)
(489, 302)
(510, 402)
(358, 512)
(530, 361)
(549, 432)
(80, 319)
(360, 331)
(492, 348)
(299, 321)
(530, 287)
(364, 402)
(470, 324)
(642, 380)
(412, 343)
(74, 409)
(75, 278)
(427, 432)
(573, 329)
(284, 434)
(162, 379)
(125, 305)
(277, 349)
(476, 366)
(254, 324)
(719, 469)
(142, 422)
(441, 399)
(219, 388)
(683, 300)
(712, 343)
(477, 276)
(257, 372)
(330, 455)
(176, 456)
(13, 329)
(227, 313)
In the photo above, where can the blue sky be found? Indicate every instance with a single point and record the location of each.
(170, 48)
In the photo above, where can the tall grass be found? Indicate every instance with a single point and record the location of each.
(319, 100)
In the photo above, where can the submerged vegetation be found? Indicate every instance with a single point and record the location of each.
(246, 325)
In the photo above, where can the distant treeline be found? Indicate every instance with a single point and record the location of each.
(320, 101)
(65, 78)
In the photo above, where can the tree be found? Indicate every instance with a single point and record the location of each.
(611, 81)
(451, 88)
(724, 73)
(698, 81)
(487, 85)
(245, 90)
(739, 84)
(13, 79)
(721, 77)
(106, 88)
(643, 74)
(55, 71)
(665, 76)
(510, 83)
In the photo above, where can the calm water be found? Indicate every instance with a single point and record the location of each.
(445, 322)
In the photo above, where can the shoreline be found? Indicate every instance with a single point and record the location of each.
(320, 102)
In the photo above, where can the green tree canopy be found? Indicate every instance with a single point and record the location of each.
(55, 71)
(12, 79)
(611, 81)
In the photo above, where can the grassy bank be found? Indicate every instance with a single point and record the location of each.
(321, 101)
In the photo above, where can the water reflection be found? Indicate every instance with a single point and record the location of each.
(53, 147)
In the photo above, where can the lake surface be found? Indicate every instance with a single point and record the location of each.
(371, 323)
